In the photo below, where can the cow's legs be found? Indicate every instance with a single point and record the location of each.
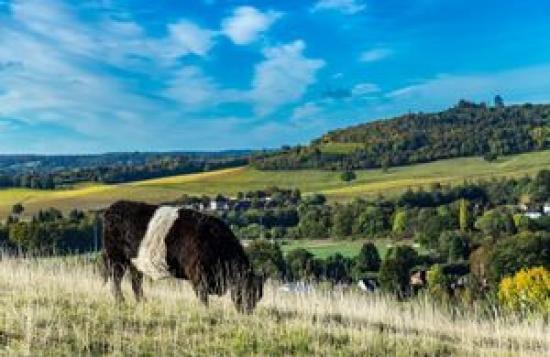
(117, 273)
(137, 281)
(201, 290)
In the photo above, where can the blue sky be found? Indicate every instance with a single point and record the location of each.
(97, 76)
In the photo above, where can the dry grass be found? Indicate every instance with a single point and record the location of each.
(60, 307)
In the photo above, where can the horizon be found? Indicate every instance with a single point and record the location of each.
(97, 78)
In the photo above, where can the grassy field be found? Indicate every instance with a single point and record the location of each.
(322, 248)
(52, 307)
(230, 181)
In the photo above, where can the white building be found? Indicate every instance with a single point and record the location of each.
(533, 215)
(546, 208)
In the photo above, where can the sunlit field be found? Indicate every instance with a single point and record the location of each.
(61, 307)
(231, 181)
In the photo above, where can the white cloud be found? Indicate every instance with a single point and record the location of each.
(375, 54)
(306, 111)
(186, 37)
(283, 76)
(349, 7)
(55, 68)
(362, 89)
(247, 23)
(516, 86)
(190, 87)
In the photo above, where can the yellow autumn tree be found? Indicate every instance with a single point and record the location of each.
(528, 290)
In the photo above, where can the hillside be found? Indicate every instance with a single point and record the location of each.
(230, 181)
(58, 171)
(465, 130)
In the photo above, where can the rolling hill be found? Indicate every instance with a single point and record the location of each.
(465, 130)
(232, 180)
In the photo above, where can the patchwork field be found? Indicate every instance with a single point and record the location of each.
(57, 307)
(231, 181)
(322, 248)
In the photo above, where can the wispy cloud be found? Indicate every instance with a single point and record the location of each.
(375, 54)
(283, 76)
(362, 89)
(247, 23)
(349, 7)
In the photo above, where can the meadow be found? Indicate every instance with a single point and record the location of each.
(55, 307)
(230, 181)
(322, 248)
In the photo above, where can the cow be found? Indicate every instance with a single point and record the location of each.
(163, 241)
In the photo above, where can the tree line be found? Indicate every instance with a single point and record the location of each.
(467, 129)
(50, 172)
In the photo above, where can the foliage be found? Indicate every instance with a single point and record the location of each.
(337, 268)
(367, 261)
(17, 209)
(453, 246)
(526, 291)
(266, 258)
(467, 129)
(525, 250)
(437, 282)
(371, 222)
(400, 223)
(395, 269)
(465, 220)
(348, 176)
(301, 264)
(495, 223)
(49, 172)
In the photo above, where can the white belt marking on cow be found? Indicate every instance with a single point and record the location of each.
(151, 258)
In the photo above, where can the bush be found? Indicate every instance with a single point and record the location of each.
(301, 264)
(395, 269)
(525, 250)
(437, 282)
(527, 291)
(454, 246)
(266, 258)
(367, 261)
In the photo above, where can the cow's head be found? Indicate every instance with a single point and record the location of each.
(247, 292)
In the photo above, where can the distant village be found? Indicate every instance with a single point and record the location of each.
(535, 212)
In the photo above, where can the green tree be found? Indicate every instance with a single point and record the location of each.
(337, 268)
(525, 250)
(367, 261)
(348, 176)
(495, 223)
(400, 221)
(266, 258)
(453, 246)
(17, 209)
(301, 264)
(342, 220)
(465, 220)
(437, 282)
(395, 269)
(371, 222)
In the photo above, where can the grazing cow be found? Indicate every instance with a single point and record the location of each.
(162, 241)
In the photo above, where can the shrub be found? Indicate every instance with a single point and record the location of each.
(367, 261)
(395, 269)
(527, 291)
(437, 282)
(266, 258)
(525, 250)
(301, 264)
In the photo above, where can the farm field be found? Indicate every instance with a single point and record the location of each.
(61, 307)
(322, 248)
(231, 181)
